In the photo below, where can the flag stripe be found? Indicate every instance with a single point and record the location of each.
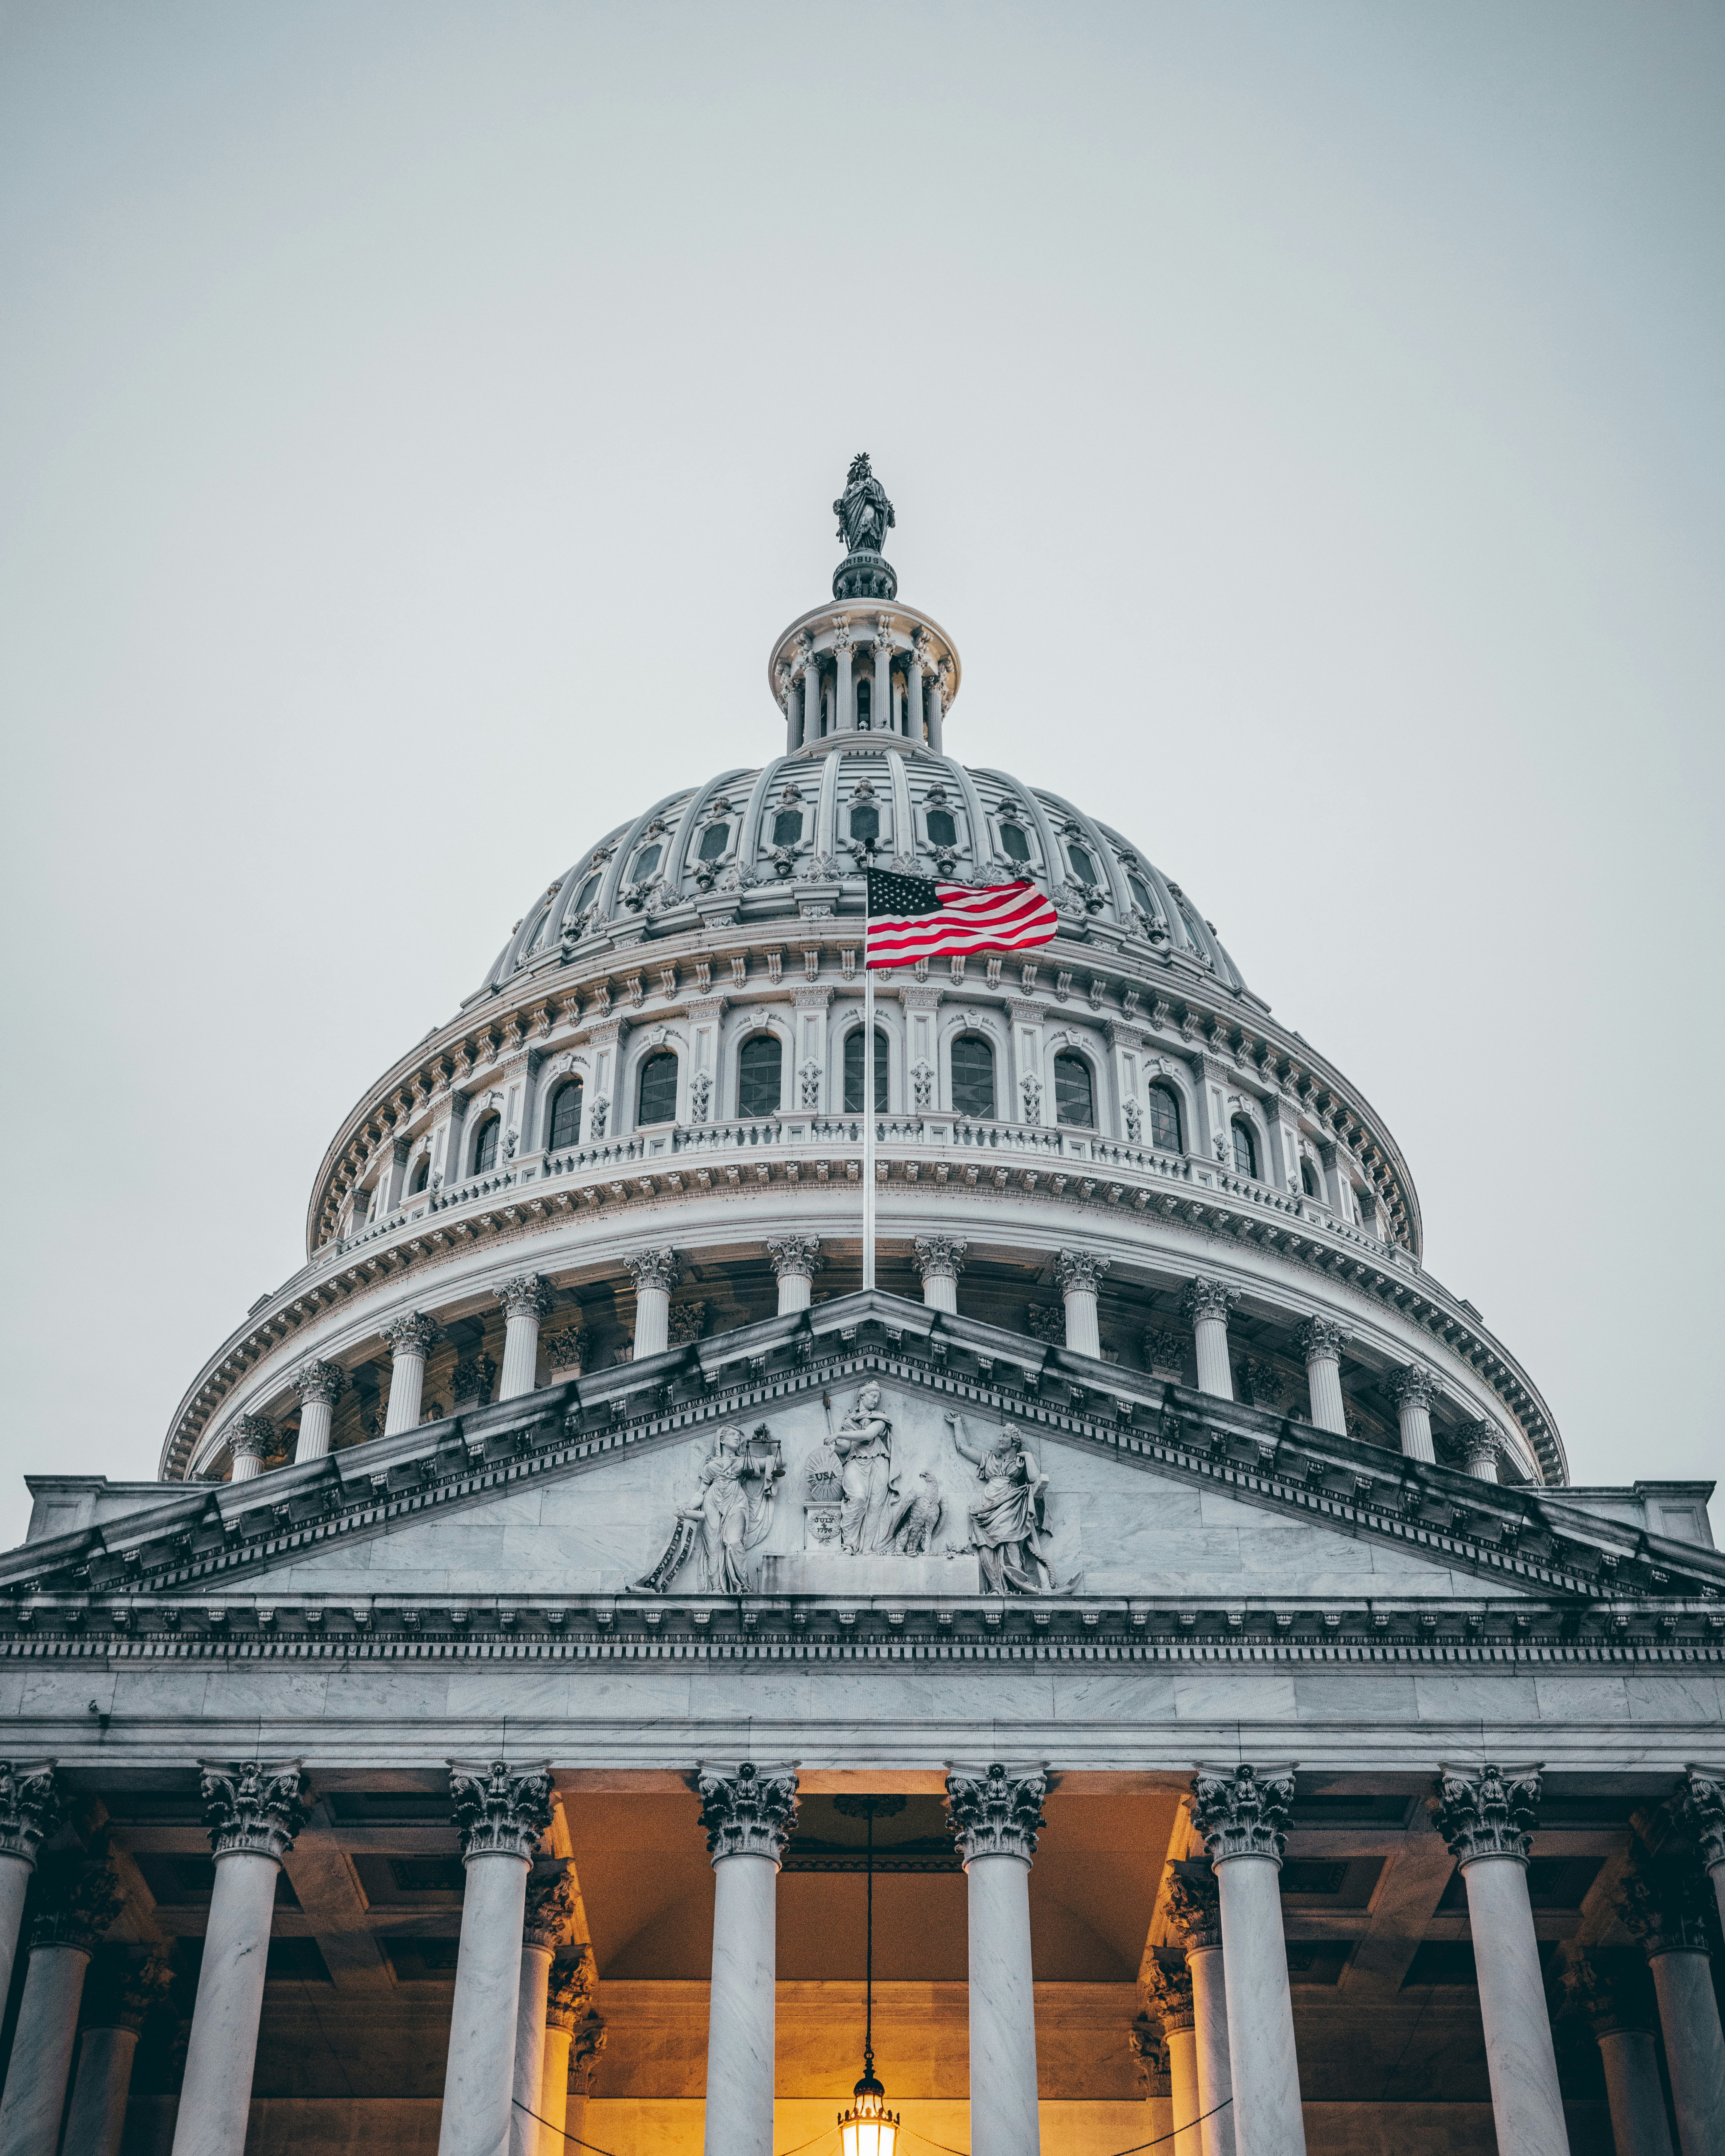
(1012, 916)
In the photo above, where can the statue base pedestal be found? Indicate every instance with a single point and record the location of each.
(832, 1571)
(864, 576)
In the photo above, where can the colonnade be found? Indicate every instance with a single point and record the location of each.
(917, 715)
(1226, 2010)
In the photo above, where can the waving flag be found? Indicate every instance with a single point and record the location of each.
(912, 917)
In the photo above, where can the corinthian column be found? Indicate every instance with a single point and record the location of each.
(567, 1994)
(80, 1904)
(1242, 1813)
(1414, 1390)
(1196, 1906)
(1663, 1904)
(1704, 1796)
(251, 1439)
(747, 1812)
(913, 690)
(525, 1299)
(29, 1809)
(411, 1340)
(939, 1260)
(882, 718)
(1481, 1443)
(1486, 1816)
(545, 1925)
(996, 1814)
(1621, 2015)
(589, 2041)
(796, 1260)
(1207, 1305)
(117, 2000)
(1169, 1993)
(1078, 1272)
(320, 1386)
(1321, 1341)
(500, 1812)
(843, 711)
(654, 1274)
(253, 1812)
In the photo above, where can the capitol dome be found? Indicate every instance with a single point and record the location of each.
(651, 1107)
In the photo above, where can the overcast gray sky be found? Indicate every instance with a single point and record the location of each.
(416, 423)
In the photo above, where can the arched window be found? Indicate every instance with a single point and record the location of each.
(713, 842)
(1142, 898)
(854, 1072)
(759, 1074)
(973, 1076)
(1013, 844)
(865, 700)
(657, 1097)
(485, 1145)
(1165, 1118)
(646, 861)
(1074, 1097)
(1245, 1148)
(864, 822)
(942, 831)
(1083, 867)
(1308, 1180)
(421, 1177)
(566, 1115)
(788, 827)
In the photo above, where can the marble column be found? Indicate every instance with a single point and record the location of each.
(996, 1813)
(843, 711)
(1620, 2011)
(937, 685)
(1486, 1816)
(1149, 2048)
(1414, 1390)
(1481, 1443)
(748, 1812)
(81, 1899)
(500, 1812)
(1664, 1904)
(881, 719)
(1207, 1304)
(411, 1339)
(808, 689)
(251, 1439)
(788, 703)
(1704, 1798)
(1195, 1907)
(939, 1260)
(1321, 1341)
(550, 1904)
(654, 1274)
(1242, 1813)
(567, 1995)
(1169, 1993)
(914, 699)
(118, 1996)
(589, 2041)
(525, 1299)
(29, 1809)
(796, 1260)
(320, 1385)
(1078, 1273)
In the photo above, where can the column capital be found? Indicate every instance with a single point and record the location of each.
(500, 1811)
(996, 1811)
(590, 2040)
(1610, 1992)
(1321, 1339)
(1148, 2047)
(568, 1992)
(526, 1295)
(1488, 1811)
(652, 1268)
(1208, 1298)
(415, 1334)
(796, 1257)
(30, 1806)
(1081, 1270)
(251, 1809)
(82, 1899)
(1168, 1994)
(319, 1381)
(1243, 1811)
(550, 1909)
(1664, 1904)
(1194, 1907)
(1415, 1387)
(748, 1811)
(939, 1257)
(120, 1991)
(1482, 1447)
(1704, 1803)
(252, 1437)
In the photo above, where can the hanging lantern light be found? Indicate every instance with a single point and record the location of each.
(868, 2127)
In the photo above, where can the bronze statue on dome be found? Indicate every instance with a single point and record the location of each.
(865, 514)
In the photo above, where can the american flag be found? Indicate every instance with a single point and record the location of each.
(912, 917)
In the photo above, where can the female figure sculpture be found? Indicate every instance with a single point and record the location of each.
(863, 1444)
(730, 1516)
(1007, 1523)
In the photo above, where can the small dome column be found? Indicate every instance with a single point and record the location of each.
(796, 1260)
(525, 1300)
(320, 1385)
(411, 1339)
(1079, 1273)
(1413, 1390)
(939, 1260)
(654, 1274)
(1321, 1341)
(1207, 1305)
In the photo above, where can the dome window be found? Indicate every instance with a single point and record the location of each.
(865, 823)
(1245, 1148)
(566, 1115)
(1013, 844)
(1083, 867)
(421, 1176)
(1308, 1180)
(484, 1145)
(854, 1072)
(713, 842)
(942, 830)
(760, 1080)
(646, 861)
(1074, 1097)
(973, 1077)
(1165, 1119)
(656, 1097)
(864, 702)
(1142, 898)
(788, 827)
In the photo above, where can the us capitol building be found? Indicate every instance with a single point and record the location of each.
(576, 1635)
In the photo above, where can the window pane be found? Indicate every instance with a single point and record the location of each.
(973, 1076)
(1013, 844)
(1083, 867)
(485, 1153)
(646, 861)
(942, 831)
(786, 827)
(854, 1072)
(865, 821)
(1164, 1119)
(1246, 1150)
(757, 1074)
(1141, 897)
(421, 1175)
(865, 699)
(659, 1089)
(565, 1114)
(1308, 1180)
(1073, 1101)
(713, 842)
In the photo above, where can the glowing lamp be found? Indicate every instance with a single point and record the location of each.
(869, 2128)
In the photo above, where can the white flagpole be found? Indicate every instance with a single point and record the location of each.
(868, 1249)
